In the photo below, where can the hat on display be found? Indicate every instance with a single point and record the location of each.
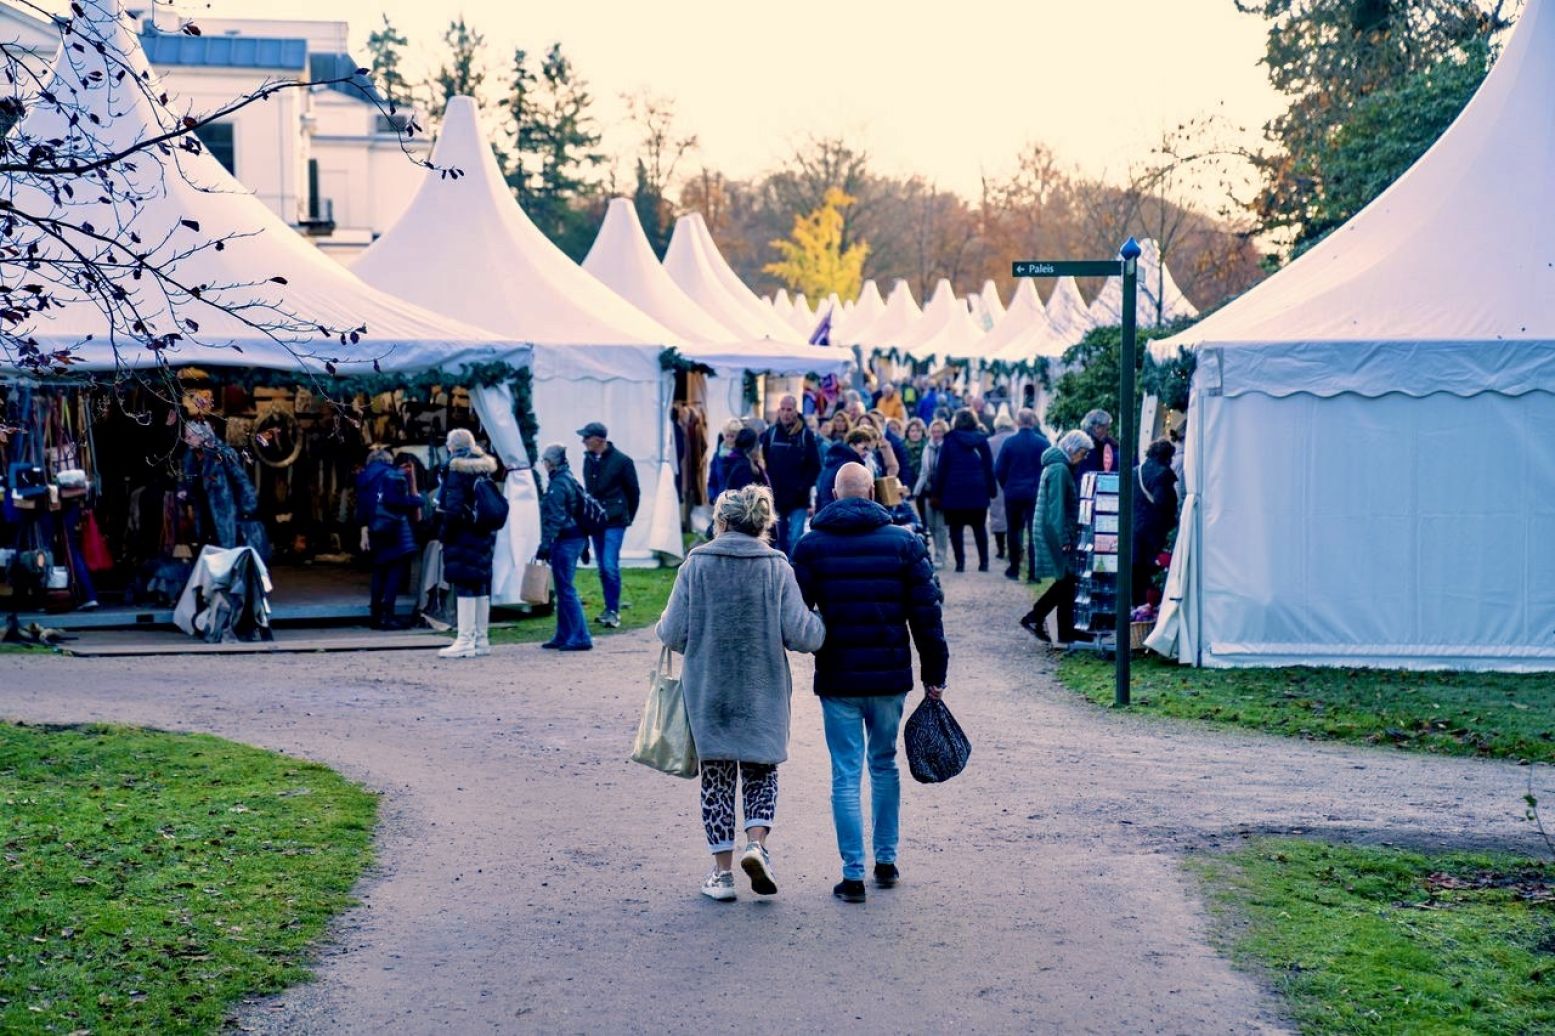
(592, 429)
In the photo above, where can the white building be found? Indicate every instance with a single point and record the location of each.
(325, 158)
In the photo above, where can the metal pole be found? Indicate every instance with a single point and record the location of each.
(1127, 458)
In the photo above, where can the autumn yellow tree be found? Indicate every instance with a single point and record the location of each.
(814, 260)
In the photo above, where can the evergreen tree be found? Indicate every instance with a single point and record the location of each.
(464, 74)
(385, 46)
(1372, 84)
(556, 149)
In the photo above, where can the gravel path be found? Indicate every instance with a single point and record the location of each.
(531, 879)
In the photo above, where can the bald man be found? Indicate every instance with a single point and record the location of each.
(874, 585)
(793, 456)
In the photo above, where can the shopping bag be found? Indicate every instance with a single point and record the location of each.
(536, 586)
(937, 750)
(94, 546)
(664, 739)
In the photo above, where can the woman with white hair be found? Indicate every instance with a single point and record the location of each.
(467, 549)
(735, 611)
(1003, 429)
(1055, 534)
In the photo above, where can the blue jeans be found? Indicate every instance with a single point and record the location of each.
(852, 725)
(572, 629)
(790, 529)
(607, 555)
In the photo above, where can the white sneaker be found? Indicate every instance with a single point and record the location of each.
(610, 619)
(719, 885)
(756, 862)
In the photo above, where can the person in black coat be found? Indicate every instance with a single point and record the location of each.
(1019, 471)
(742, 465)
(610, 477)
(1155, 513)
(792, 453)
(467, 550)
(386, 507)
(874, 586)
(858, 444)
(964, 486)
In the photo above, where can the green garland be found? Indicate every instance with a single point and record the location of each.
(670, 359)
(1170, 381)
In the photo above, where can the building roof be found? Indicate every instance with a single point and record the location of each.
(340, 66)
(165, 49)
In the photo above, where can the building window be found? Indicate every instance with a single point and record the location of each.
(391, 125)
(217, 138)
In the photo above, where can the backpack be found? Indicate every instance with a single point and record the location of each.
(488, 507)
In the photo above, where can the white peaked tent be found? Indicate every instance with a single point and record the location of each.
(1025, 332)
(865, 312)
(691, 238)
(1067, 311)
(992, 304)
(195, 187)
(737, 289)
(688, 265)
(938, 314)
(465, 246)
(900, 314)
(1159, 300)
(622, 258)
(782, 306)
(1371, 437)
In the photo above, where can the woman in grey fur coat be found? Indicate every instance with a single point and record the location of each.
(735, 612)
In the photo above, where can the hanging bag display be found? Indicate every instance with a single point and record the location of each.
(664, 740)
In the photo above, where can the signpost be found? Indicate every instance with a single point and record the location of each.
(1125, 266)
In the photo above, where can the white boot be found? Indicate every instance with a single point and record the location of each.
(464, 644)
(483, 625)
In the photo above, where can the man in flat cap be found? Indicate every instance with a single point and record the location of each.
(610, 477)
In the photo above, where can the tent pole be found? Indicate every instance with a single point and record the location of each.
(1129, 417)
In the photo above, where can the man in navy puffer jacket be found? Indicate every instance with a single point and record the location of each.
(874, 585)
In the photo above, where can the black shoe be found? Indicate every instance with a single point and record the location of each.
(1010, 573)
(575, 647)
(1034, 626)
(982, 566)
(886, 875)
(551, 645)
(849, 890)
(960, 568)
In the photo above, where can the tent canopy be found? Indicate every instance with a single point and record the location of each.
(1025, 332)
(1459, 251)
(1067, 312)
(256, 247)
(1155, 290)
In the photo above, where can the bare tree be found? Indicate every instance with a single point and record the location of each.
(95, 153)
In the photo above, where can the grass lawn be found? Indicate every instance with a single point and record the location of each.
(646, 590)
(1501, 715)
(151, 880)
(1377, 940)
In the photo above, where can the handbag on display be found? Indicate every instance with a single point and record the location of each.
(27, 481)
(664, 740)
(94, 546)
(536, 585)
(70, 482)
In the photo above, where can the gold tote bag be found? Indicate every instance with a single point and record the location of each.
(664, 735)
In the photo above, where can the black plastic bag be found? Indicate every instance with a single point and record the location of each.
(937, 750)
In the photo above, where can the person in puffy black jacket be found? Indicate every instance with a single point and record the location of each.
(386, 506)
(874, 585)
(467, 550)
(610, 477)
(856, 445)
(964, 486)
(742, 465)
(1155, 513)
(562, 543)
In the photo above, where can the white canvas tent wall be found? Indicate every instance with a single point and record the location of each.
(803, 318)
(1025, 335)
(622, 258)
(1371, 439)
(465, 246)
(1158, 299)
(725, 275)
(868, 309)
(687, 263)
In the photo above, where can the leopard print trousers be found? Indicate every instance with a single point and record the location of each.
(760, 786)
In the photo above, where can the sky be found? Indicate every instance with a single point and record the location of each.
(951, 91)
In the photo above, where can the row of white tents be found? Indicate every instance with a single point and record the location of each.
(1370, 475)
(463, 279)
(979, 328)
